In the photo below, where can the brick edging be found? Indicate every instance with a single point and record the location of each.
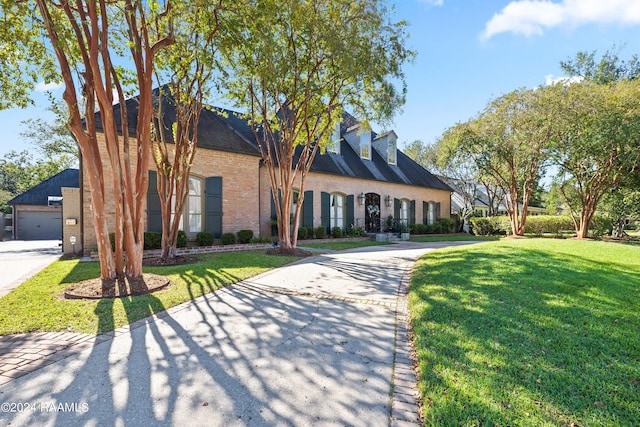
(405, 408)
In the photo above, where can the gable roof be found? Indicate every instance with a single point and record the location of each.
(227, 130)
(348, 162)
(38, 195)
(213, 132)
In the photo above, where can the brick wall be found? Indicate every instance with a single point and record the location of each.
(70, 212)
(246, 193)
(239, 190)
(353, 186)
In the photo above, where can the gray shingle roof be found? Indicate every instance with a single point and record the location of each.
(38, 195)
(214, 133)
(227, 130)
(349, 163)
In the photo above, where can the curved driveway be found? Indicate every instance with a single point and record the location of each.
(312, 343)
(21, 259)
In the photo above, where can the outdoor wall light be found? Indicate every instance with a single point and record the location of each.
(361, 198)
(387, 201)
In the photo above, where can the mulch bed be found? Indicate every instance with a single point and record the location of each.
(116, 288)
(177, 260)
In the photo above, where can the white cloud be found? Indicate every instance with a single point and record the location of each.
(432, 2)
(533, 17)
(44, 87)
(550, 79)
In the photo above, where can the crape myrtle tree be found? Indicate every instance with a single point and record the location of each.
(595, 143)
(455, 167)
(508, 141)
(295, 66)
(187, 66)
(81, 36)
(597, 140)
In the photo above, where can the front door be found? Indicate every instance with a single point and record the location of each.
(372, 212)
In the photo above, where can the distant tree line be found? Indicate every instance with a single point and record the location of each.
(584, 129)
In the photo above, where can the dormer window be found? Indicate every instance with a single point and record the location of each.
(334, 146)
(392, 152)
(365, 151)
(365, 145)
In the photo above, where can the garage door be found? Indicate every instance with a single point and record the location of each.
(34, 225)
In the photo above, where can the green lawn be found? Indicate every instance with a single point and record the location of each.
(36, 305)
(454, 238)
(531, 332)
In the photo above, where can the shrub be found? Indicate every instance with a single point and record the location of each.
(419, 229)
(447, 225)
(354, 231)
(112, 240)
(181, 241)
(321, 232)
(261, 240)
(228, 239)
(245, 236)
(310, 232)
(152, 240)
(600, 226)
(490, 226)
(551, 224)
(204, 238)
(336, 232)
(303, 233)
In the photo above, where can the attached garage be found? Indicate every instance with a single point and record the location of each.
(39, 225)
(37, 213)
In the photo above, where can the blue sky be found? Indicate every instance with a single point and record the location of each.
(470, 51)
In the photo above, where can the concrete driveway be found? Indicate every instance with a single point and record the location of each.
(315, 343)
(21, 259)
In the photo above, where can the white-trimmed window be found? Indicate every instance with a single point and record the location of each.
(392, 152)
(365, 151)
(431, 219)
(338, 207)
(334, 146)
(191, 220)
(404, 212)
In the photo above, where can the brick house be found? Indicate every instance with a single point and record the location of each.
(359, 181)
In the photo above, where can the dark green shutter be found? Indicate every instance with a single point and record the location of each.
(325, 210)
(307, 209)
(438, 211)
(351, 214)
(154, 210)
(412, 212)
(425, 212)
(213, 205)
(396, 209)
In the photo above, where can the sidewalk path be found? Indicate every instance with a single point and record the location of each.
(319, 342)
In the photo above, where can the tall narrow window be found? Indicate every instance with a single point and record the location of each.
(337, 210)
(191, 220)
(404, 212)
(432, 212)
(365, 151)
(392, 153)
(194, 205)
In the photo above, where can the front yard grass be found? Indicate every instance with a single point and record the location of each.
(36, 305)
(454, 238)
(531, 332)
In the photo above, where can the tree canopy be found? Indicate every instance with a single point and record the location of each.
(296, 66)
